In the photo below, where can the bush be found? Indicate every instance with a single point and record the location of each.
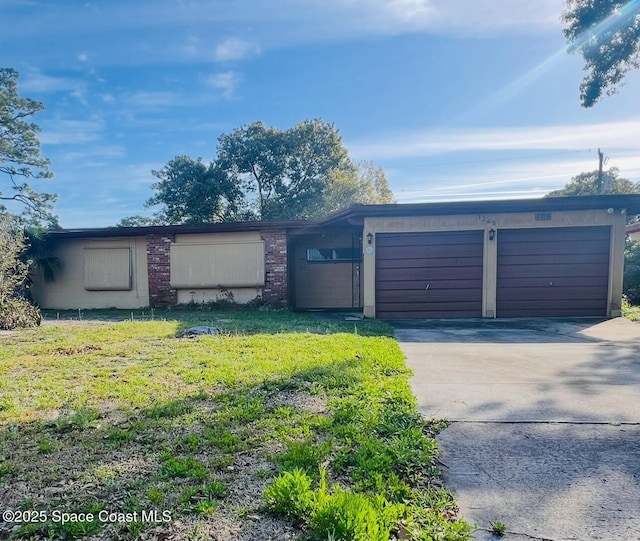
(18, 312)
(632, 272)
(15, 310)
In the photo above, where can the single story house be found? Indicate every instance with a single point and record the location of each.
(508, 258)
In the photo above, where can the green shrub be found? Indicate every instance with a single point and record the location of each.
(18, 312)
(290, 494)
(354, 517)
(15, 309)
(632, 272)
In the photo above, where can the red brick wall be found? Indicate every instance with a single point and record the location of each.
(276, 279)
(158, 257)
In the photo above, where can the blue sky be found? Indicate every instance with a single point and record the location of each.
(472, 99)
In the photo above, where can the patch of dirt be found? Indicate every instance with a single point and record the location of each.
(77, 351)
(314, 404)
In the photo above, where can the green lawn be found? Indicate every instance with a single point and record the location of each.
(120, 418)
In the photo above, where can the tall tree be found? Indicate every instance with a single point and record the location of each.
(589, 184)
(267, 174)
(287, 171)
(20, 158)
(191, 191)
(363, 183)
(607, 34)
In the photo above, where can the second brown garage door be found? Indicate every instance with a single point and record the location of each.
(429, 275)
(553, 272)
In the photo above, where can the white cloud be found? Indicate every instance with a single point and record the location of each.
(434, 142)
(34, 80)
(442, 16)
(71, 132)
(513, 162)
(152, 100)
(280, 22)
(526, 178)
(234, 49)
(83, 57)
(225, 81)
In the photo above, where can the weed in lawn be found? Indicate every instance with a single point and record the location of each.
(346, 515)
(388, 485)
(240, 409)
(207, 507)
(291, 495)
(6, 469)
(190, 443)
(498, 528)
(411, 453)
(7, 403)
(10, 434)
(26, 504)
(119, 436)
(134, 529)
(188, 495)
(133, 503)
(221, 462)
(170, 409)
(304, 455)
(223, 439)
(105, 473)
(216, 489)
(188, 467)
(46, 446)
(155, 496)
(80, 419)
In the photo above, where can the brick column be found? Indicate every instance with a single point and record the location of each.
(276, 279)
(158, 259)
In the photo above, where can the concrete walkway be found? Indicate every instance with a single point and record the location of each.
(545, 432)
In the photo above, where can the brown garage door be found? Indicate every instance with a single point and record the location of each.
(553, 272)
(429, 275)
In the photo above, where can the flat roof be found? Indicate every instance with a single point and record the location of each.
(356, 213)
(225, 227)
(629, 202)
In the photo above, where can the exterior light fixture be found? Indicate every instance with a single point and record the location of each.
(369, 238)
(492, 234)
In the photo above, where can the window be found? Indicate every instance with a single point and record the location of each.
(107, 269)
(333, 254)
(238, 264)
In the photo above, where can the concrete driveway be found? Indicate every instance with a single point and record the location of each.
(545, 432)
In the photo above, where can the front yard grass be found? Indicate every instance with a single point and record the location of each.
(157, 437)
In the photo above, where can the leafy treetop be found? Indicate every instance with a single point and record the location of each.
(268, 174)
(607, 34)
(589, 184)
(20, 158)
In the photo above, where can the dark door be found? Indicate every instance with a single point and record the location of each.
(560, 271)
(429, 275)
